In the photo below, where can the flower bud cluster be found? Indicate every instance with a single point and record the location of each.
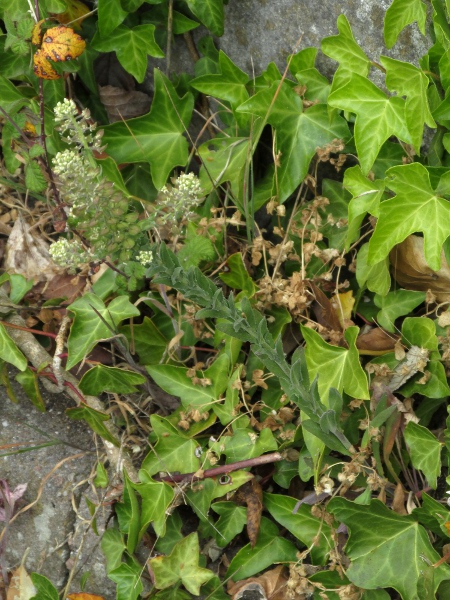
(176, 202)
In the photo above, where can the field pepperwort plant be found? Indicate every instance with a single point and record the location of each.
(267, 260)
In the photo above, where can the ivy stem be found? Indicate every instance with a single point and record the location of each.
(36, 331)
(223, 469)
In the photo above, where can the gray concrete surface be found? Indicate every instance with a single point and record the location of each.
(51, 528)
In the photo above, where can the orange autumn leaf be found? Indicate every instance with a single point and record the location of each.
(62, 44)
(75, 13)
(29, 129)
(43, 67)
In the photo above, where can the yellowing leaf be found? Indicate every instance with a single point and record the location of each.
(75, 13)
(43, 67)
(62, 44)
(21, 587)
(36, 35)
(343, 306)
(83, 596)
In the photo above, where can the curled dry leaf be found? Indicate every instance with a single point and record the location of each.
(376, 342)
(269, 586)
(27, 254)
(412, 272)
(251, 494)
(123, 104)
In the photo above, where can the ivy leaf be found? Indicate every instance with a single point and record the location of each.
(156, 138)
(376, 277)
(210, 13)
(386, 549)
(336, 367)
(110, 16)
(156, 499)
(367, 195)
(88, 327)
(132, 47)
(140, 334)
(344, 49)
(95, 419)
(298, 132)
(181, 566)
(128, 580)
(231, 522)
(101, 379)
(400, 14)
(407, 80)
(9, 351)
(245, 443)
(312, 531)
(173, 452)
(227, 85)
(396, 304)
(416, 207)
(425, 451)
(378, 116)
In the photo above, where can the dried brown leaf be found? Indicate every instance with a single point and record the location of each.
(398, 503)
(376, 342)
(323, 309)
(123, 104)
(21, 587)
(271, 585)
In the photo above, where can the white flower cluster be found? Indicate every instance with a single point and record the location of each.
(67, 253)
(76, 127)
(177, 201)
(145, 257)
(78, 177)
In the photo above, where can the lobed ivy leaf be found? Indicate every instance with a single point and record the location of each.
(378, 117)
(127, 577)
(210, 13)
(336, 367)
(156, 138)
(299, 132)
(101, 379)
(9, 351)
(396, 304)
(400, 14)
(181, 566)
(140, 335)
(132, 47)
(425, 451)
(344, 49)
(375, 277)
(231, 522)
(95, 419)
(110, 16)
(386, 549)
(310, 530)
(416, 207)
(156, 498)
(88, 328)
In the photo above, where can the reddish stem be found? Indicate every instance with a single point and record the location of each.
(223, 469)
(44, 333)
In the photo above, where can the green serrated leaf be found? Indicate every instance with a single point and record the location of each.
(101, 379)
(416, 207)
(156, 138)
(386, 549)
(181, 566)
(132, 47)
(425, 451)
(89, 328)
(34, 178)
(378, 116)
(400, 14)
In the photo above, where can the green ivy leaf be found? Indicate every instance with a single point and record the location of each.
(344, 49)
(269, 549)
(245, 443)
(156, 138)
(29, 381)
(173, 452)
(237, 276)
(299, 132)
(400, 14)
(127, 577)
(113, 547)
(311, 531)
(396, 304)
(127, 512)
(181, 566)
(9, 351)
(110, 16)
(156, 499)
(375, 277)
(210, 13)
(407, 80)
(416, 207)
(336, 367)
(231, 522)
(378, 116)
(88, 327)
(386, 549)
(140, 334)
(420, 331)
(101, 379)
(367, 196)
(132, 47)
(229, 84)
(34, 178)
(337, 210)
(425, 451)
(45, 590)
(95, 419)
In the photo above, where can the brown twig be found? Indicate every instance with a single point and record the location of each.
(223, 469)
